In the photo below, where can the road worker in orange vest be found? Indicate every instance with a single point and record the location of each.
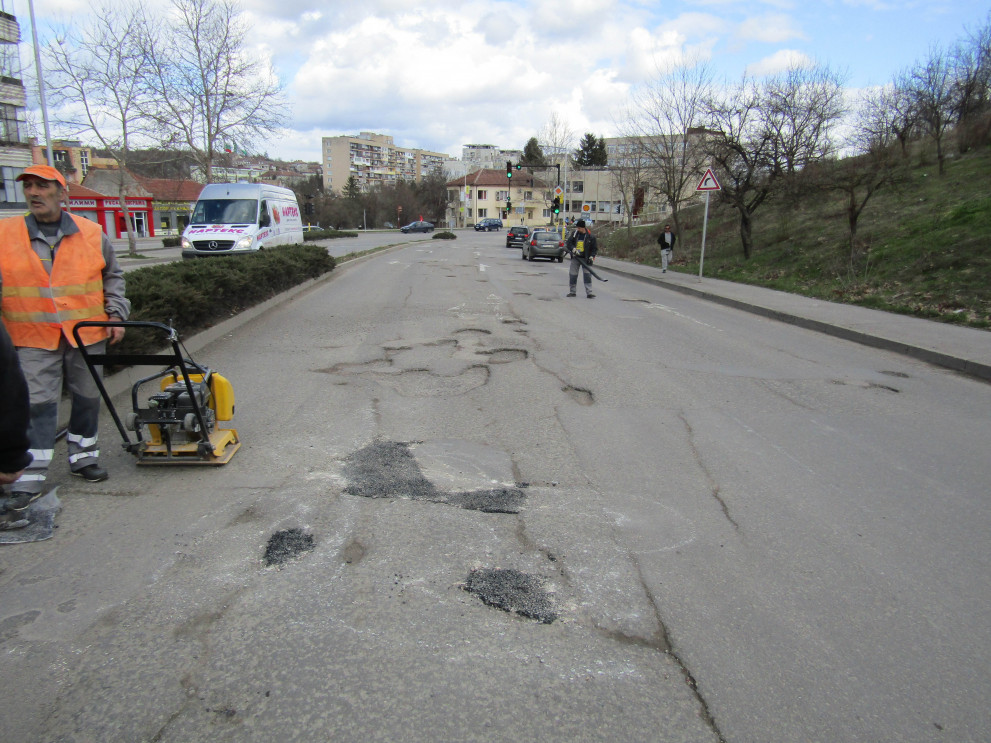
(56, 269)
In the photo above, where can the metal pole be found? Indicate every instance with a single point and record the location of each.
(705, 221)
(41, 83)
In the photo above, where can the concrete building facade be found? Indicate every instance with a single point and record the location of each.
(15, 146)
(374, 160)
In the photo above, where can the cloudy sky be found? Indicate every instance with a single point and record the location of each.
(437, 74)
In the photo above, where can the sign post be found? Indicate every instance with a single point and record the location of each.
(708, 184)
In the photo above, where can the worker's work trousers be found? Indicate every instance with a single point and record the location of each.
(573, 270)
(45, 371)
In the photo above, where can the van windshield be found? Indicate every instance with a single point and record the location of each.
(225, 211)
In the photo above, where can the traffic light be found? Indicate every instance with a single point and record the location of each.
(557, 204)
(519, 166)
(509, 169)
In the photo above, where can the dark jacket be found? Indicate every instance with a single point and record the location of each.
(663, 244)
(591, 245)
(14, 409)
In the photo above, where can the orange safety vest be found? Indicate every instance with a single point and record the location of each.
(39, 309)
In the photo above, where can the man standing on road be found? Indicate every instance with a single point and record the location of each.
(582, 246)
(57, 269)
(666, 241)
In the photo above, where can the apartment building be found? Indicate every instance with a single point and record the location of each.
(374, 160)
(15, 147)
(477, 156)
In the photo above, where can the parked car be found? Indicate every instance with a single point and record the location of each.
(418, 227)
(517, 237)
(312, 228)
(488, 225)
(389, 225)
(544, 244)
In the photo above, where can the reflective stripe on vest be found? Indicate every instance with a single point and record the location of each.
(37, 308)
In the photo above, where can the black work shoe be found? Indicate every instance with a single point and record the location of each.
(13, 510)
(570, 294)
(20, 501)
(590, 296)
(92, 473)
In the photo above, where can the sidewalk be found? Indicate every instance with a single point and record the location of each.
(967, 350)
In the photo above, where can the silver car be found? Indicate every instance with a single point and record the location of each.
(544, 244)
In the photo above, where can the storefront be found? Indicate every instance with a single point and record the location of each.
(106, 211)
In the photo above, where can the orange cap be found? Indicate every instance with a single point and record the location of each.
(45, 172)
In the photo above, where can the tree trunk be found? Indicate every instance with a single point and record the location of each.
(746, 227)
(132, 243)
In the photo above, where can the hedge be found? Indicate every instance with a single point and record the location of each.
(193, 295)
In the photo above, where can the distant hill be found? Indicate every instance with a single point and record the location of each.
(923, 247)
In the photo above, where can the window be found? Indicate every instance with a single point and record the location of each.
(10, 190)
(578, 187)
(11, 124)
(483, 213)
(84, 161)
(528, 195)
(482, 195)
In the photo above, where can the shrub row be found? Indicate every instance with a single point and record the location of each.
(193, 295)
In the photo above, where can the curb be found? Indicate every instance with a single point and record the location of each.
(969, 367)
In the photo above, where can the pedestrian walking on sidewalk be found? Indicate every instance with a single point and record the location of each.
(666, 241)
(56, 270)
(582, 246)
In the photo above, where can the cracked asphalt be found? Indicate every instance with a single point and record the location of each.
(467, 508)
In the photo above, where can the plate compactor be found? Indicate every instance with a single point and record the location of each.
(178, 424)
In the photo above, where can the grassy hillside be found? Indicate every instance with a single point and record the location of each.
(924, 247)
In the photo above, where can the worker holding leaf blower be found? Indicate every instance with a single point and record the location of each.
(583, 248)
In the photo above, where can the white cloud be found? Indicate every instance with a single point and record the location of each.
(780, 61)
(772, 28)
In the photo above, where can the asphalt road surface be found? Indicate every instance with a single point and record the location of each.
(470, 509)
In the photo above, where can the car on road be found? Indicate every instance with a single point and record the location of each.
(418, 227)
(544, 244)
(517, 237)
(488, 225)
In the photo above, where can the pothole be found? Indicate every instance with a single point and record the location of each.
(512, 591)
(505, 355)
(582, 397)
(287, 544)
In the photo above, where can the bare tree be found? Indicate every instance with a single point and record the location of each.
(901, 100)
(741, 153)
(555, 138)
(99, 71)
(932, 89)
(875, 164)
(768, 132)
(668, 118)
(971, 62)
(207, 90)
(801, 108)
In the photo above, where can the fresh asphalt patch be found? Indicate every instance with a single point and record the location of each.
(512, 591)
(286, 544)
(388, 469)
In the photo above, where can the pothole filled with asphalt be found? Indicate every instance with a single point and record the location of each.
(286, 544)
(512, 591)
(388, 469)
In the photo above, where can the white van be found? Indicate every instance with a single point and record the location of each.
(241, 217)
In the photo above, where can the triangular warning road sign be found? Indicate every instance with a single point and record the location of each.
(708, 182)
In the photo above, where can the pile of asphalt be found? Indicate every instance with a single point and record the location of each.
(512, 591)
(286, 544)
(388, 469)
